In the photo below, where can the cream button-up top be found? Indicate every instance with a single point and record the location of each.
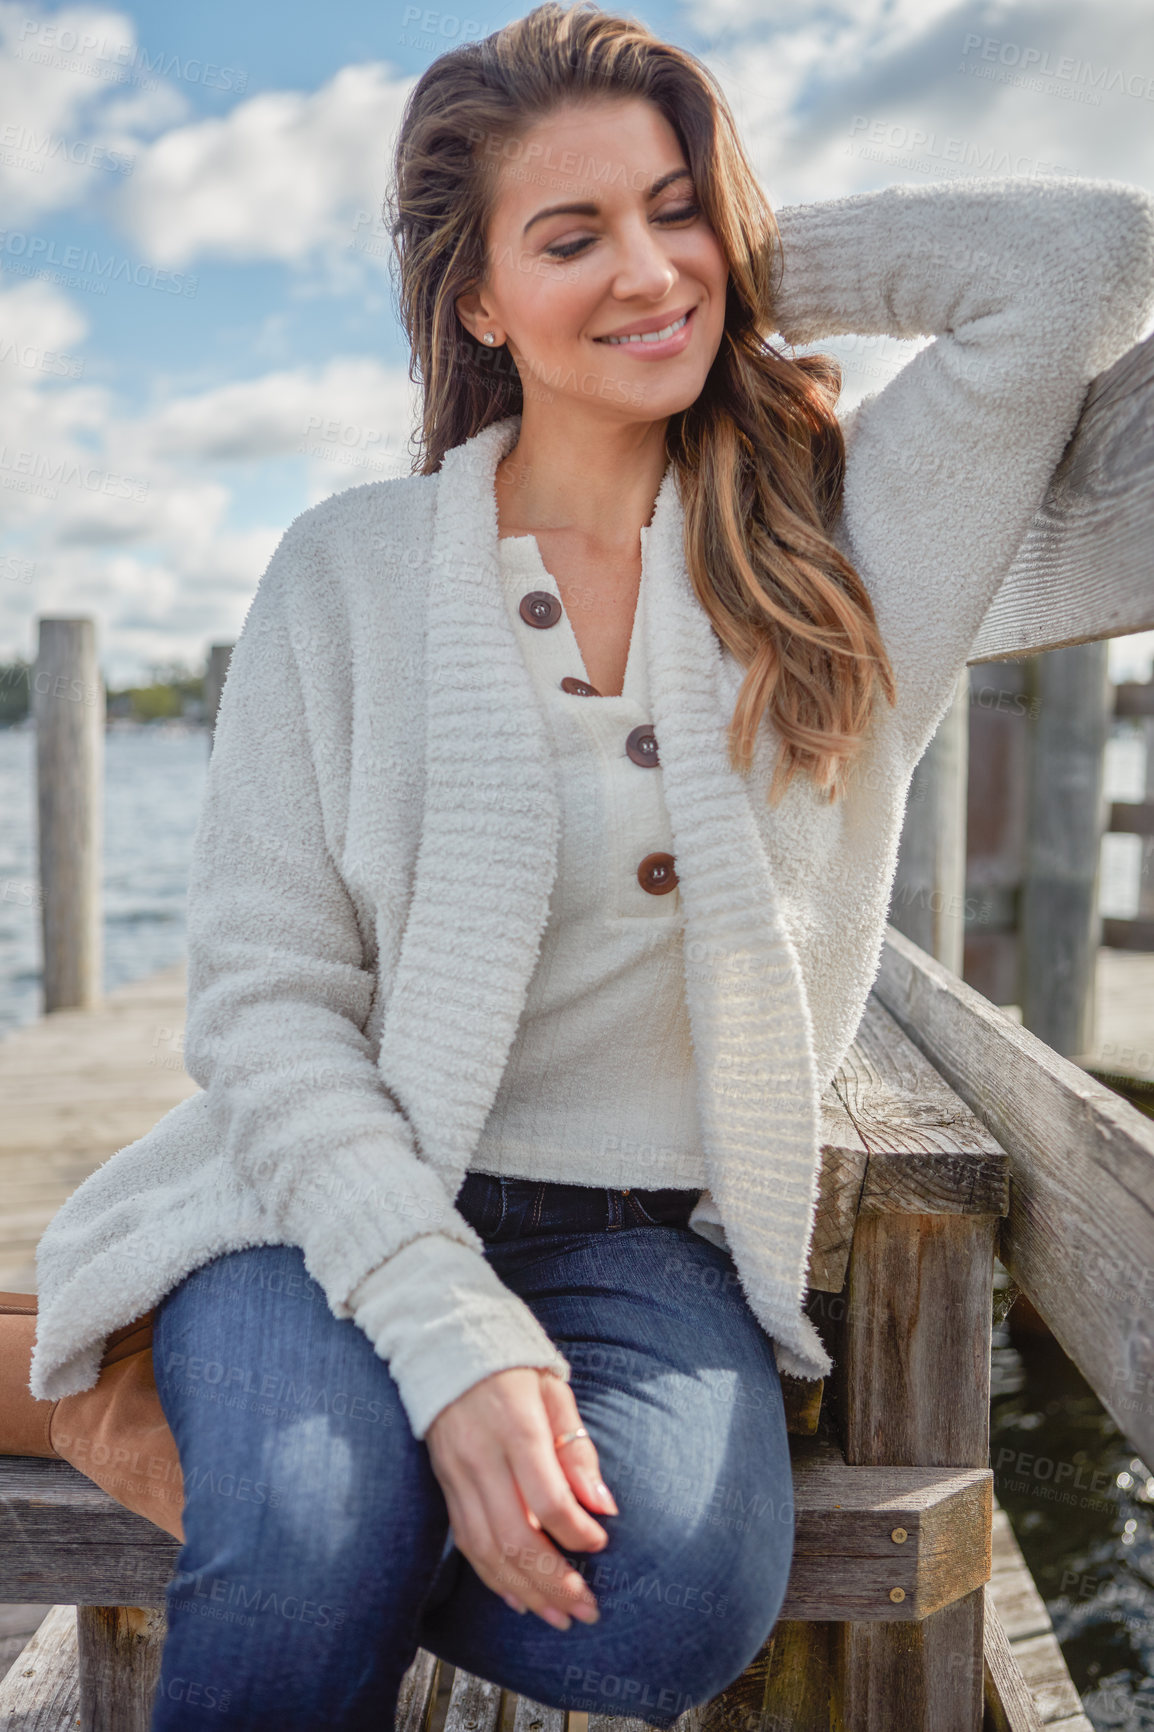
(601, 1067)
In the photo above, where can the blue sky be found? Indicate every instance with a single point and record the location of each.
(197, 335)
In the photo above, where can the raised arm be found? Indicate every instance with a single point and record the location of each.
(280, 990)
(1030, 288)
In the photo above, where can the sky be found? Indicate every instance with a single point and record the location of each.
(198, 335)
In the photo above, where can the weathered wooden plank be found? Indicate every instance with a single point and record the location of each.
(912, 1362)
(62, 1538)
(928, 898)
(1132, 818)
(1083, 570)
(1021, 1608)
(1128, 934)
(840, 1179)
(1059, 924)
(1134, 698)
(535, 1717)
(68, 705)
(119, 1651)
(474, 1704)
(843, 1516)
(923, 1677)
(928, 1153)
(1009, 1704)
(1040, 1661)
(41, 1692)
(913, 1373)
(417, 1691)
(885, 1543)
(798, 1678)
(81, 1084)
(802, 1397)
(1079, 1238)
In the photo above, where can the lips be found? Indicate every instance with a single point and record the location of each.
(661, 336)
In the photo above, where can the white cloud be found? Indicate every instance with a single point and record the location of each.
(283, 174)
(351, 405)
(130, 517)
(866, 95)
(70, 116)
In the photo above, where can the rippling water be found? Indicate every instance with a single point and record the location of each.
(153, 781)
(1081, 1503)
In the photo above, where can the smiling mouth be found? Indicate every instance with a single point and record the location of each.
(662, 336)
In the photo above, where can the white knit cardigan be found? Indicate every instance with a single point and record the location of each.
(378, 841)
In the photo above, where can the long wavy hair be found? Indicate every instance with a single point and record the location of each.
(760, 454)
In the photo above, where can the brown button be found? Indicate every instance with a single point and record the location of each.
(539, 608)
(582, 688)
(657, 874)
(641, 746)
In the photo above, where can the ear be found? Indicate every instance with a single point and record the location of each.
(472, 314)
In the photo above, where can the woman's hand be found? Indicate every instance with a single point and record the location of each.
(505, 1482)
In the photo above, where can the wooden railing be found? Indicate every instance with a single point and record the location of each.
(1084, 572)
(1079, 1236)
(1136, 818)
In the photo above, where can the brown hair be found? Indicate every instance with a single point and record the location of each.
(760, 454)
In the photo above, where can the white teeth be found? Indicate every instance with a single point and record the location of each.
(649, 336)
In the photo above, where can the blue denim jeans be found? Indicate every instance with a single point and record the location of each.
(318, 1555)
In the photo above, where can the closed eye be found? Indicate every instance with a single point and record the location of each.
(569, 249)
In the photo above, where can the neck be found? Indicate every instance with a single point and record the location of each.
(595, 482)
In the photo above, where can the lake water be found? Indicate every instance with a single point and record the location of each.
(153, 783)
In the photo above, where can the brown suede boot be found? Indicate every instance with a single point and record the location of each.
(115, 1433)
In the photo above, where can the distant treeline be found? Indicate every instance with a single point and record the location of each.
(173, 691)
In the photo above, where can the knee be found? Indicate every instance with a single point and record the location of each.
(699, 1601)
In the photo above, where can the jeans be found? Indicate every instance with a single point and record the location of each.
(318, 1555)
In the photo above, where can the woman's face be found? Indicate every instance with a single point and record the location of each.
(636, 254)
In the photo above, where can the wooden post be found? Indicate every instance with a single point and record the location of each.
(215, 672)
(68, 710)
(119, 1650)
(996, 827)
(1060, 924)
(1146, 881)
(929, 894)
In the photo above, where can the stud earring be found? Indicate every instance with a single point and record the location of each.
(489, 337)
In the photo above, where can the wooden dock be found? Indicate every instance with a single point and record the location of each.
(1027, 1635)
(77, 1086)
(80, 1084)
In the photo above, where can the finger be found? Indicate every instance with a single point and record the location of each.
(578, 1459)
(545, 1488)
(530, 1567)
(521, 1565)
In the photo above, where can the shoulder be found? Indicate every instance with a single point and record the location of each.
(362, 540)
(348, 524)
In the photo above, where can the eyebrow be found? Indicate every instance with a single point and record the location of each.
(589, 209)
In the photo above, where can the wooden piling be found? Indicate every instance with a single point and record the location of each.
(929, 893)
(1060, 924)
(68, 708)
(216, 669)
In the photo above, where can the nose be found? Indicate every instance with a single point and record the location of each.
(644, 271)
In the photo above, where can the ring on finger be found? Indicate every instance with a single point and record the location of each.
(568, 1436)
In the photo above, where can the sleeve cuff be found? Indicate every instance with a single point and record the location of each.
(443, 1320)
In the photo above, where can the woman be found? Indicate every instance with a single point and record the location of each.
(540, 884)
